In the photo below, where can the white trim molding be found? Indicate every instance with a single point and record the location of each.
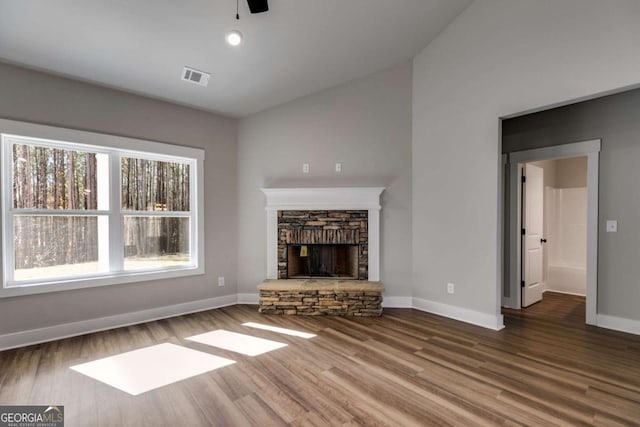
(622, 324)
(334, 198)
(248, 299)
(66, 330)
(396, 302)
(486, 320)
(338, 198)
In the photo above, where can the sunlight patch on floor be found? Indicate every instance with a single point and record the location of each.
(139, 371)
(292, 332)
(239, 343)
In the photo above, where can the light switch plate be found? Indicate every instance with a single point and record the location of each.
(612, 226)
(305, 168)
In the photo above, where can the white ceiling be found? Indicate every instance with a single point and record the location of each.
(298, 47)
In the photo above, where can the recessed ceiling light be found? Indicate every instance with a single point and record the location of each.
(234, 37)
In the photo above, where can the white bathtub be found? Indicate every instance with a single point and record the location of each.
(567, 279)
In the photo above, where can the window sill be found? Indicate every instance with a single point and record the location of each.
(93, 282)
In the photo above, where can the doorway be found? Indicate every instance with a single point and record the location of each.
(554, 217)
(528, 270)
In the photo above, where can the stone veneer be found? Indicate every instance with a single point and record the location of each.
(321, 297)
(324, 227)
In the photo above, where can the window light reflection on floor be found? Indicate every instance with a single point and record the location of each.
(239, 343)
(305, 335)
(139, 371)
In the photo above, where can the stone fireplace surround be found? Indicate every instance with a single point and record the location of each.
(319, 227)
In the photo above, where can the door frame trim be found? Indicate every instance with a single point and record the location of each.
(590, 149)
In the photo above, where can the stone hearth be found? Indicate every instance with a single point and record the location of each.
(321, 297)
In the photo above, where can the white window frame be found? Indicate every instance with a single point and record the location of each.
(115, 147)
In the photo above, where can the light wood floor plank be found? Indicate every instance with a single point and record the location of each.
(546, 368)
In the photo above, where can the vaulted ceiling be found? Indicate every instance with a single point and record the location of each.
(141, 46)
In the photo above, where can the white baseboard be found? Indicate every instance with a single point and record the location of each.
(248, 298)
(51, 333)
(478, 318)
(66, 330)
(508, 303)
(564, 292)
(622, 324)
(397, 302)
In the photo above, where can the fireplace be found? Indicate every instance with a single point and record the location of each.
(322, 233)
(340, 223)
(322, 261)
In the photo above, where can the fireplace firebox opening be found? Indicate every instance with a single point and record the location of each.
(322, 260)
(323, 244)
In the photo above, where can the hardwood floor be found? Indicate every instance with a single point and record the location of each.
(405, 368)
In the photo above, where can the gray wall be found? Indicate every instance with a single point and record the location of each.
(40, 98)
(496, 59)
(616, 120)
(365, 125)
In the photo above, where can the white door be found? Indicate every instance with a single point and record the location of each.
(532, 223)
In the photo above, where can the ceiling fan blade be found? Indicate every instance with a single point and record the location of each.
(258, 6)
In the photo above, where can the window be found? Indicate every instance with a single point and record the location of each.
(79, 214)
(156, 213)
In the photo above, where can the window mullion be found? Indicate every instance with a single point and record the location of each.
(58, 212)
(116, 219)
(196, 206)
(8, 262)
(171, 214)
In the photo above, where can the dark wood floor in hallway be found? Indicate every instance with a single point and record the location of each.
(406, 368)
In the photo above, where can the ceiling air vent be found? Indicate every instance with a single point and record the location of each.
(194, 76)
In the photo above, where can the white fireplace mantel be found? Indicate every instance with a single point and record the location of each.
(338, 198)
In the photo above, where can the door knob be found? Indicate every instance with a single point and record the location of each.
(543, 240)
